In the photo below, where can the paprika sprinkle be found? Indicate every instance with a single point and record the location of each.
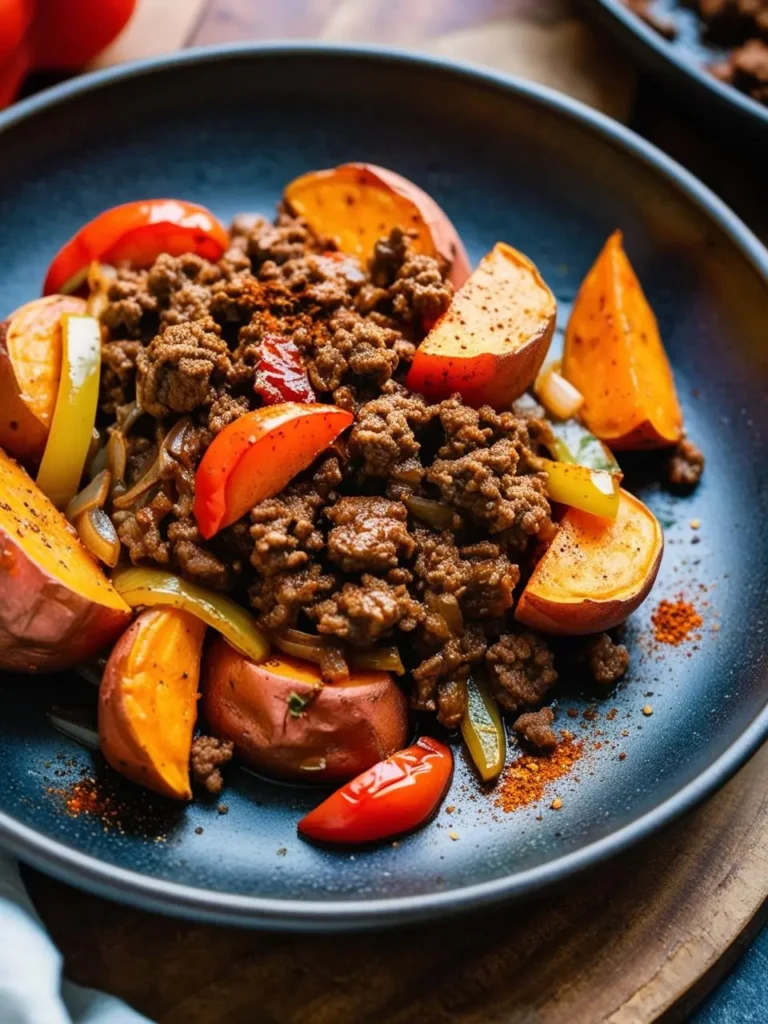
(526, 779)
(674, 621)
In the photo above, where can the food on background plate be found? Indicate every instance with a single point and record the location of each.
(148, 700)
(286, 723)
(313, 440)
(490, 342)
(740, 25)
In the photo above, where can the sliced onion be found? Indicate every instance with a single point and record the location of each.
(296, 636)
(558, 396)
(433, 513)
(448, 606)
(377, 659)
(99, 279)
(127, 416)
(78, 726)
(117, 456)
(153, 476)
(175, 439)
(305, 652)
(99, 536)
(94, 495)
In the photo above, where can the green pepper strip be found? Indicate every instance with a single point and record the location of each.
(574, 443)
(141, 587)
(483, 729)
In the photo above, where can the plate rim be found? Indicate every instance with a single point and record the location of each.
(695, 74)
(63, 861)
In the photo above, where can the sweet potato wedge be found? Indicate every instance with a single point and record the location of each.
(285, 723)
(148, 700)
(614, 355)
(57, 608)
(356, 204)
(492, 340)
(595, 572)
(30, 366)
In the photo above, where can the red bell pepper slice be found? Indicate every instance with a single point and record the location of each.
(255, 456)
(395, 796)
(281, 376)
(137, 232)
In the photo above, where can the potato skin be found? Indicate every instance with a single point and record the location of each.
(345, 729)
(57, 608)
(585, 618)
(45, 626)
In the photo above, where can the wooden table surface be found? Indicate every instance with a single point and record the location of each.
(637, 941)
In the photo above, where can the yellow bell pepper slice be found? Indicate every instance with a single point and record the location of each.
(592, 490)
(483, 729)
(145, 588)
(69, 438)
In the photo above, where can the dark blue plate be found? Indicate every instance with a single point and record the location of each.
(507, 160)
(682, 64)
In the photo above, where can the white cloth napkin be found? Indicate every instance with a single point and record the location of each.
(32, 990)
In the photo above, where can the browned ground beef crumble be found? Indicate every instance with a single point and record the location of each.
(208, 757)
(535, 727)
(339, 551)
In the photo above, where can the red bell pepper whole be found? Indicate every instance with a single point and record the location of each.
(70, 33)
(257, 455)
(280, 375)
(395, 796)
(138, 232)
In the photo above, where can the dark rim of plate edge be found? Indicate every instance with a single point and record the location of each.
(155, 894)
(658, 52)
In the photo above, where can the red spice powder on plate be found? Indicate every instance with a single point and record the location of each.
(674, 621)
(526, 779)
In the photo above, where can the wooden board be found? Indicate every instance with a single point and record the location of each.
(636, 941)
(642, 937)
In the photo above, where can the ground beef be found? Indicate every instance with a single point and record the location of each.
(522, 670)
(406, 285)
(351, 349)
(746, 67)
(451, 702)
(288, 238)
(362, 613)
(131, 309)
(368, 534)
(284, 531)
(279, 599)
(685, 465)
(742, 24)
(207, 758)
(489, 581)
(451, 662)
(384, 435)
(118, 375)
(607, 661)
(175, 370)
(485, 484)
(140, 531)
(182, 287)
(535, 727)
